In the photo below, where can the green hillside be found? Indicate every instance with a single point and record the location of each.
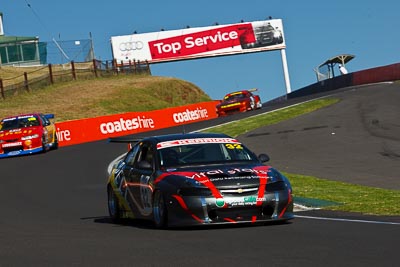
(103, 96)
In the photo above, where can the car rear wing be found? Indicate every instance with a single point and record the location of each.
(130, 141)
(49, 116)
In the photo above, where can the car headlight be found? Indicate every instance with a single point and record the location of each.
(29, 137)
(276, 176)
(276, 186)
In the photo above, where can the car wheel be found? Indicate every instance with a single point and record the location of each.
(160, 215)
(252, 105)
(55, 144)
(44, 147)
(113, 205)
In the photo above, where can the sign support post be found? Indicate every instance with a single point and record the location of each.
(285, 71)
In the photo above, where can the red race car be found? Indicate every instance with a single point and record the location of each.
(239, 101)
(27, 134)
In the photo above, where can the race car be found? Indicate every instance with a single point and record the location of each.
(196, 179)
(27, 134)
(240, 101)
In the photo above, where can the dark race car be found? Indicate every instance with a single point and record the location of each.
(197, 179)
(27, 134)
(240, 101)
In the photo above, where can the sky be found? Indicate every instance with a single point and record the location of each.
(314, 32)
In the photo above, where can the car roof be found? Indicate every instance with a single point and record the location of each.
(244, 91)
(238, 92)
(21, 115)
(170, 137)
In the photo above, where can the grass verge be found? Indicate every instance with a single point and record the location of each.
(345, 196)
(243, 126)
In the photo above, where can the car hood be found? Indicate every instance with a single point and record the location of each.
(223, 176)
(16, 134)
(224, 103)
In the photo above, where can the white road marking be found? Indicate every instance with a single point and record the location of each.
(345, 220)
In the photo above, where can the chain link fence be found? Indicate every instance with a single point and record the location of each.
(30, 52)
(61, 52)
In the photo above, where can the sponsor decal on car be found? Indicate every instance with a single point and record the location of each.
(238, 201)
(12, 144)
(230, 172)
(220, 202)
(253, 199)
(195, 141)
(14, 153)
(15, 131)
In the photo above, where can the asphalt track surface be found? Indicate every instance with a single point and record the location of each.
(54, 210)
(356, 140)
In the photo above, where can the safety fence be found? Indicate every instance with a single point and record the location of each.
(38, 77)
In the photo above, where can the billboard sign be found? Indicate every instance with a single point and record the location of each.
(189, 43)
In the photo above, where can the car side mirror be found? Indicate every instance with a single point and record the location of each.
(263, 157)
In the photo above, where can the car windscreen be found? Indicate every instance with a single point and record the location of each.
(19, 122)
(235, 97)
(204, 153)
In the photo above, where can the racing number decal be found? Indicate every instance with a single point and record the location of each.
(233, 146)
(146, 193)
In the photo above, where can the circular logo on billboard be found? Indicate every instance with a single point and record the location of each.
(128, 46)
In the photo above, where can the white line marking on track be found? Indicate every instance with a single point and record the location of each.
(345, 220)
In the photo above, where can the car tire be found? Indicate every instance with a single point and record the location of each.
(252, 105)
(258, 105)
(55, 144)
(44, 147)
(113, 205)
(160, 216)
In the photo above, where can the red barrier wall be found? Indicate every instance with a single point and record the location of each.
(379, 74)
(93, 129)
(368, 76)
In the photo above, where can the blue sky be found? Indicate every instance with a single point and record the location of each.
(314, 31)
